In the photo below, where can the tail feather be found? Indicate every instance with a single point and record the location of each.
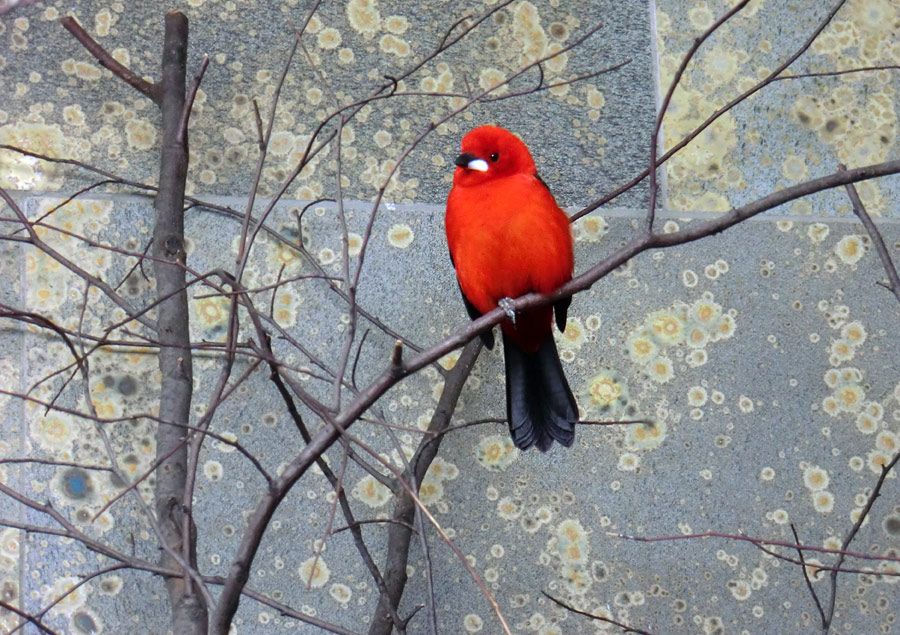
(540, 407)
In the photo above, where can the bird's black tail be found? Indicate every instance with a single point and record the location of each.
(540, 406)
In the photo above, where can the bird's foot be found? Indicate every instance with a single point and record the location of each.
(509, 308)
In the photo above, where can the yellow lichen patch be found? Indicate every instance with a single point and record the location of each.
(872, 197)
(371, 492)
(73, 115)
(572, 544)
(383, 138)
(529, 33)
(430, 491)
(574, 335)
(211, 314)
(400, 236)
(823, 502)
(54, 432)
(508, 509)
(724, 329)
(707, 162)
(590, 229)
(314, 572)
(850, 249)
(340, 593)
(830, 406)
(394, 45)
(10, 543)
(641, 347)
(887, 441)
(595, 98)
(346, 56)
(645, 437)
(472, 623)
(807, 111)
(700, 17)
(666, 326)
(141, 134)
(815, 478)
(661, 369)
(842, 350)
(496, 452)
(850, 397)
(557, 64)
(491, 77)
(103, 21)
(794, 169)
(364, 16)
(22, 172)
(721, 63)
(874, 16)
(213, 470)
(111, 585)
(87, 72)
(607, 391)
(697, 336)
(576, 580)
(628, 462)
(740, 589)
(72, 592)
(866, 424)
(817, 232)
(697, 396)
(396, 24)
(442, 470)
(354, 244)
(877, 460)
(282, 254)
(329, 39)
(449, 360)
(854, 333)
(281, 143)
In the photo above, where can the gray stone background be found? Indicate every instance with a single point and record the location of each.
(776, 399)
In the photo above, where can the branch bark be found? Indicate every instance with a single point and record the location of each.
(400, 531)
(860, 210)
(153, 91)
(189, 611)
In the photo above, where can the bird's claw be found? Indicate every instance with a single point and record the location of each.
(509, 308)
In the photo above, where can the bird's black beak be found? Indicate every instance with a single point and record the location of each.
(464, 159)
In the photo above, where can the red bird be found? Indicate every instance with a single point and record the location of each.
(508, 237)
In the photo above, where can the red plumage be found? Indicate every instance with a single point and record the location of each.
(508, 237)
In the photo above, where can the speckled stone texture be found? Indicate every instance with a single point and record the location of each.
(767, 356)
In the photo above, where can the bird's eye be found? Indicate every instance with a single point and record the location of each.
(495, 157)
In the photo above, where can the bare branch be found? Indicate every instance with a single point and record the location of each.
(860, 210)
(608, 620)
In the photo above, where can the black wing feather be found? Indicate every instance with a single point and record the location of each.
(540, 407)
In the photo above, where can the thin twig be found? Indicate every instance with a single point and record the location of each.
(153, 91)
(608, 620)
(189, 103)
(860, 210)
(812, 591)
(885, 470)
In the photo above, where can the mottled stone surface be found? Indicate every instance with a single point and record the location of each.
(766, 356)
(66, 105)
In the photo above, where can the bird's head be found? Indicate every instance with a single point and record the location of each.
(489, 153)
